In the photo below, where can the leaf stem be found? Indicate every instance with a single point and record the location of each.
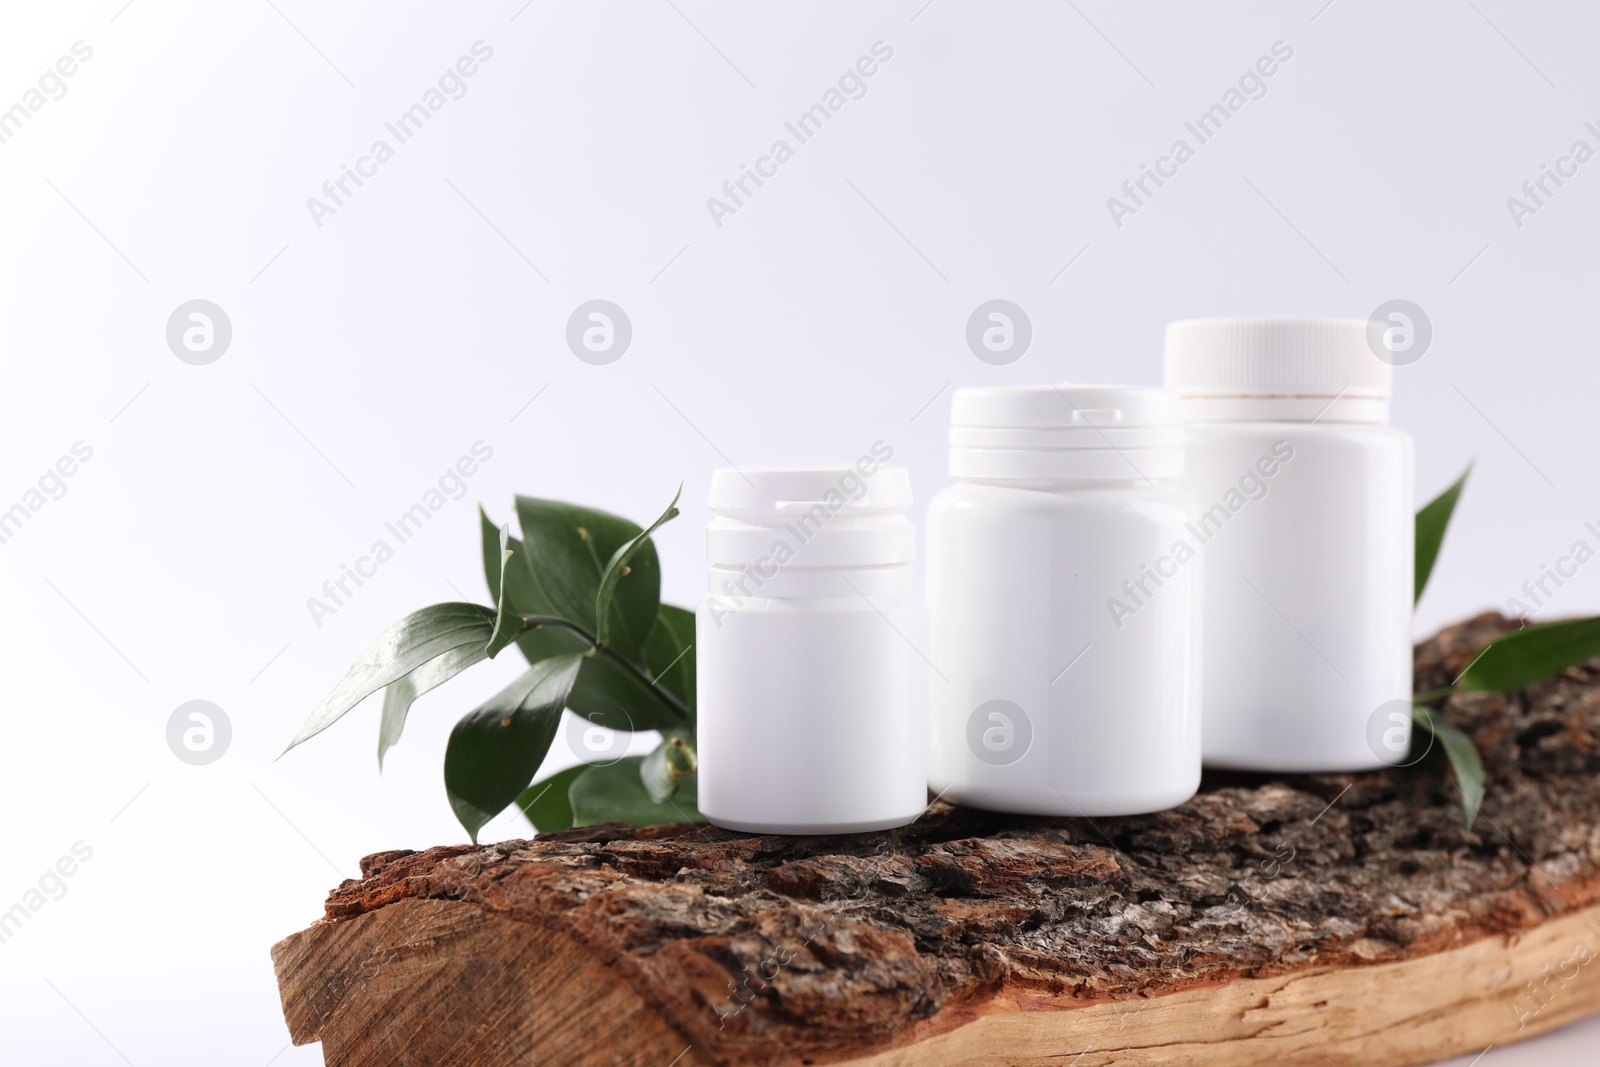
(1432, 695)
(530, 622)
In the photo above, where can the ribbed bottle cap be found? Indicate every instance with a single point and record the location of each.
(1291, 358)
(1065, 433)
(806, 517)
(859, 487)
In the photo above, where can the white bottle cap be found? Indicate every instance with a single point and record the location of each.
(1065, 433)
(1277, 369)
(800, 527)
(856, 488)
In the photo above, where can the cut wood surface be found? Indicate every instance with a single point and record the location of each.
(1322, 919)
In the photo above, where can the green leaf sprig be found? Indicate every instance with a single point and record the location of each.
(1508, 663)
(579, 595)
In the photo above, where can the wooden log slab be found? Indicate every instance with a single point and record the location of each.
(1323, 919)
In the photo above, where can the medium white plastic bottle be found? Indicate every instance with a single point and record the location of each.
(811, 678)
(1062, 611)
(1303, 497)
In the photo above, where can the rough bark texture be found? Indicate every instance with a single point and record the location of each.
(753, 949)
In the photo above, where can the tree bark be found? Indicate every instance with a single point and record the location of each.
(1321, 919)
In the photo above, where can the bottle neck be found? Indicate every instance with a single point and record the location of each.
(769, 578)
(1062, 465)
(1070, 485)
(1367, 410)
(818, 537)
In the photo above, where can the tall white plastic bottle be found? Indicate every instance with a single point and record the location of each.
(1303, 499)
(1062, 609)
(811, 678)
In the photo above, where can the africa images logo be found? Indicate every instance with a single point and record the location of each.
(999, 732)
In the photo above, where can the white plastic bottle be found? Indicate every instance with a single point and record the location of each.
(812, 681)
(1303, 498)
(1062, 611)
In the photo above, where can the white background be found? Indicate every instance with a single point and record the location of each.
(828, 312)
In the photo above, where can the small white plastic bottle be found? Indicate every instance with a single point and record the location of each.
(812, 681)
(1303, 499)
(1061, 606)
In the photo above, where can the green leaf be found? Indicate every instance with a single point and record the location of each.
(546, 803)
(515, 583)
(402, 648)
(398, 697)
(566, 550)
(603, 686)
(615, 793)
(494, 554)
(617, 567)
(507, 623)
(668, 765)
(1530, 655)
(669, 652)
(1464, 761)
(1431, 523)
(496, 748)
